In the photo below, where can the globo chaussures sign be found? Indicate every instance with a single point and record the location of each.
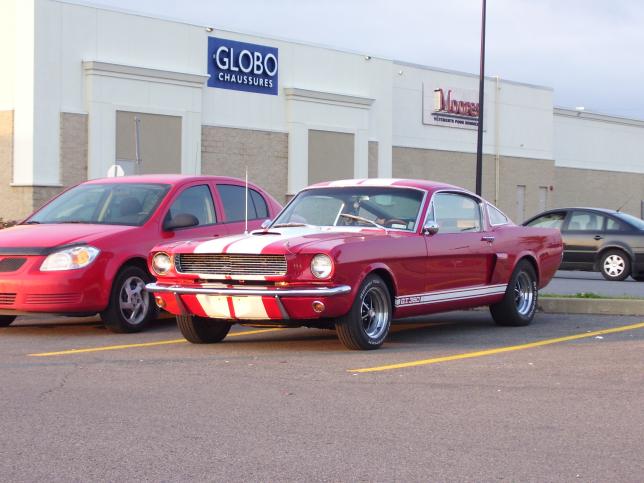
(242, 66)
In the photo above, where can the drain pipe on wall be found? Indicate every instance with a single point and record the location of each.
(497, 159)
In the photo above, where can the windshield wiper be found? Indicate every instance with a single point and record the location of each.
(72, 221)
(31, 222)
(288, 225)
(366, 220)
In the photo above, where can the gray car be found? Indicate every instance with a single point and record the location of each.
(596, 239)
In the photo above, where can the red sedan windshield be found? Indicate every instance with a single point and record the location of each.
(106, 204)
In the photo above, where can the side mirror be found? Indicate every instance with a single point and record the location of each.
(266, 223)
(182, 220)
(431, 228)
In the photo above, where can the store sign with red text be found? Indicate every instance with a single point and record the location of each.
(450, 107)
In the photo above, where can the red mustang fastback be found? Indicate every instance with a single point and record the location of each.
(354, 255)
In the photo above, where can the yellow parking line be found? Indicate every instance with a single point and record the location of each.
(143, 344)
(499, 350)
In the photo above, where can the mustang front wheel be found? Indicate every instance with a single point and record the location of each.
(366, 326)
(6, 320)
(520, 300)
(200, 330)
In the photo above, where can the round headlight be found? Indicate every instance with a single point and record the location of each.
(321, 266)
(161, 263)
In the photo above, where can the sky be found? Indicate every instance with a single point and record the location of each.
(590, 52)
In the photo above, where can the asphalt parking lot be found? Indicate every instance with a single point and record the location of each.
(448, 398)
(568, 282)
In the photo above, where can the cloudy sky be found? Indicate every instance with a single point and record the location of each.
(590, 51)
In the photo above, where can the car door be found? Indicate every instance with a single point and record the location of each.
(459, 254)
(232, 199)
(196, 200)
(583, 233)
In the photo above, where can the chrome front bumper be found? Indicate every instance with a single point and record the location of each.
(249, 292)
(276, 293)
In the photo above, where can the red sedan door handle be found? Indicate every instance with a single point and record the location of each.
(488, 238)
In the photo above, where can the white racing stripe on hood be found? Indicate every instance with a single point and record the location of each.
(255, 244)
(217, 245)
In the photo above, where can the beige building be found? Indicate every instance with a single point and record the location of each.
(88, 92)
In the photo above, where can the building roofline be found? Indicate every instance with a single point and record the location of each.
(596, 116)
(469, 74)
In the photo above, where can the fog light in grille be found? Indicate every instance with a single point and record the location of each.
(318, 307)
(159, 301)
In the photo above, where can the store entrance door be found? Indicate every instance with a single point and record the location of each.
(147, 143)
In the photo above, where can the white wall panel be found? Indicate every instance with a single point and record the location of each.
(7, 53)
(590, 141)
(525, 114)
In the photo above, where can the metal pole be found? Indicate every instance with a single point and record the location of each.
(479, 140)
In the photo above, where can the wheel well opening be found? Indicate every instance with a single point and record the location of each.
(389, 281)
(534, 264)
(136, 262)
(603, 251)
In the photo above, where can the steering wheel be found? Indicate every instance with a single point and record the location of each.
(395, 221)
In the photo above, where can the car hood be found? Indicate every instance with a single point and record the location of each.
(279, 241)
(30, 238)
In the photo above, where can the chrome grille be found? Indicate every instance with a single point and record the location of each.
(231, 264)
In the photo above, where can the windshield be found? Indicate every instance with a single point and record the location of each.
(631, 220)
(376, 207)
(104, 204)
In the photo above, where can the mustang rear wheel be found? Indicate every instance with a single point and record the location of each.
(200, 330)
(366, 325)
(131, 307)
(6, 320)
(520, 300)
(615, 265)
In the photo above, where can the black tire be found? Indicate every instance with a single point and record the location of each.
(519, 303)
(129, 289)
(6, 320)
(615, 265)
(376, 314)
(201, 330)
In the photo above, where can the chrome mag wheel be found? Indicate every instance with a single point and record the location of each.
(374, 312)
(524, 296)
(133, 300)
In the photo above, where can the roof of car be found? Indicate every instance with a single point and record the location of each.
(581, 208)
(163, 178)
(394, 182)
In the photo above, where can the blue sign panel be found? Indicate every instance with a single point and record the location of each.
(242, 67)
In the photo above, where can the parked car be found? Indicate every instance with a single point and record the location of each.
(352, 255)
(595, 239)
(85, 251)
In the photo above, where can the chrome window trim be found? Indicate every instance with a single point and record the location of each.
(489, 218)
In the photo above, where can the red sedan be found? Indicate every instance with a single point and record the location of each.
(352, 255)
(85, 251)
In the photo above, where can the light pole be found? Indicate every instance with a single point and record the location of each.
(479, 140)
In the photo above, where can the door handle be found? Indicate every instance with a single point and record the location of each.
(489, 239)
(598, 237)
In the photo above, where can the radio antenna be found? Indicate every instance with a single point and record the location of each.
(625, 203)
(246, 204)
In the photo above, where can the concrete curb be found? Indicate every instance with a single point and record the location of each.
(591, 306)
